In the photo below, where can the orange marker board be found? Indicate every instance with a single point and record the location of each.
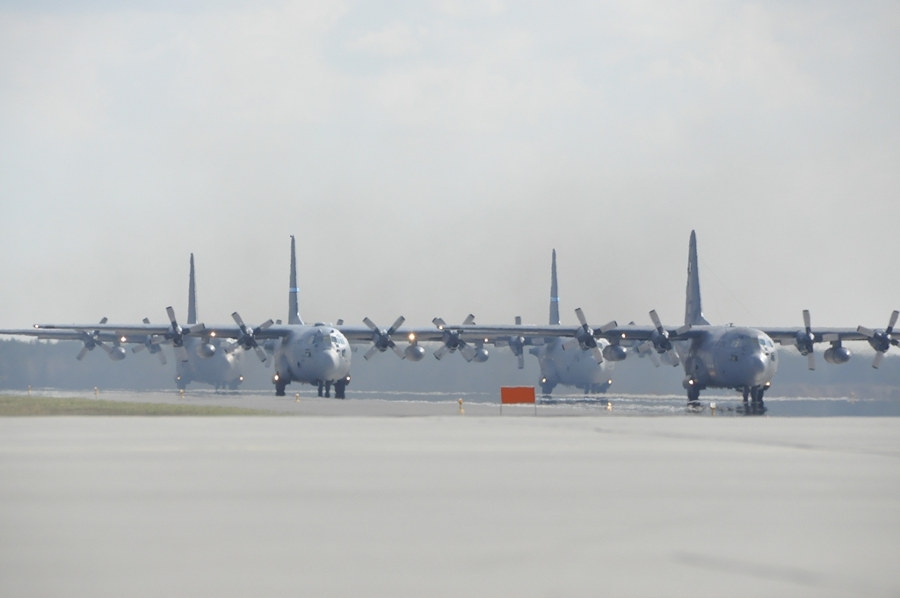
(516, 394)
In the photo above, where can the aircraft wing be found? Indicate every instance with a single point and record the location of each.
(63, 334)
(788, 336)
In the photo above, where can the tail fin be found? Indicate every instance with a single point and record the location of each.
(294, 291)
(554, 293)
(192, 296)
(693, 310)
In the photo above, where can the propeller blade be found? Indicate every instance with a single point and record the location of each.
(441, 351)
(260, 353)
(521, 358)
(467, 351)
(811, 361)
(654, 317)
(609, 326)
(370, 323)
(671, 358)
(877, 361)
(372, 351)
(239, 321)
(868, 332)
(398, 351)
(82, 353)
(181, 353)
(470, 319)
(439, 322)
(893, 321)
(581, 319)
(397, 324)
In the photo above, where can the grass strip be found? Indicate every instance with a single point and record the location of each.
(22, 406)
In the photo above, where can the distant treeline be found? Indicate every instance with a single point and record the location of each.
(50, 364)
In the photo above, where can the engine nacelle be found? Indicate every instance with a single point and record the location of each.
(117, 353)
(481, 355)
(838, 354)
(614, 353)
(414, 352)
(206, 350)
(804, 342)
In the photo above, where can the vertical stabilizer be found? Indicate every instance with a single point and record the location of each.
(294, 291)
(554, 293)
(693, 310)
(192, 296)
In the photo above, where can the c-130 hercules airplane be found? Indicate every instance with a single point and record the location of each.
(202, 358)
(730, 357)
(712, 356)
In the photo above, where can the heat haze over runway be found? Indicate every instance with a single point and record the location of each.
(449, 504)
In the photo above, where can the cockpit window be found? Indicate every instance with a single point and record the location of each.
(766, 343)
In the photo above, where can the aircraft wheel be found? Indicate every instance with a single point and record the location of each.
(339, 390)
(279, 388)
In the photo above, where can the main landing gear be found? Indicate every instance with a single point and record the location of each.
(755, 405)
(340, 388)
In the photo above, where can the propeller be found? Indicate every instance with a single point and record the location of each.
(381, 338)
(585, 335)
(660, 340)
(881, 340)
(247, 340)
(177, 335)
(451, 339)
(804, 341)
(151, 345)
(515, 343)
(90, 340)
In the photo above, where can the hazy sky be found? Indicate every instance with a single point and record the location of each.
(429, 155)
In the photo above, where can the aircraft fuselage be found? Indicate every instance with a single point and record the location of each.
(221, 369)
(317, 355)
(729, 357)
(569, 365)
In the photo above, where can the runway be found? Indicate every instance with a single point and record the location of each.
(405, 404)
(449, 504)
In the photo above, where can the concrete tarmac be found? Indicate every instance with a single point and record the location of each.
(449, 505)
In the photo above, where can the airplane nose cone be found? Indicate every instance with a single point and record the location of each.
(760, 369)
(330, 365)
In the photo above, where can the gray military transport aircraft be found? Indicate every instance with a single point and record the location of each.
(563, 361)
(739, 358)
(205, 359)
(731, 357)
(202, 358)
